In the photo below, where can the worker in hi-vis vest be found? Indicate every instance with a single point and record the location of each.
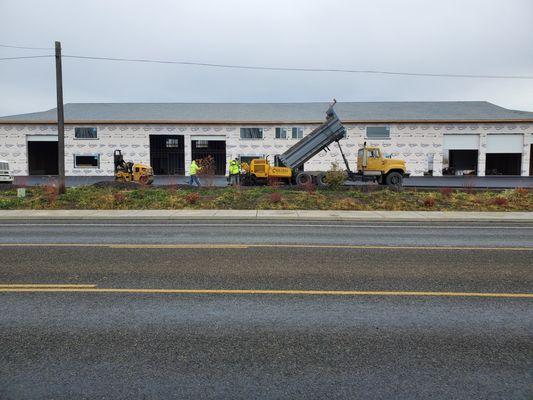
(234, 172)
(193, 169)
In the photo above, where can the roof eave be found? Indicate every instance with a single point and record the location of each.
(215, 122)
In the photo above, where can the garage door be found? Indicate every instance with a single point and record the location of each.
(461, 142)
(505, 143)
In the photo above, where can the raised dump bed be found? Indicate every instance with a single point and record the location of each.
(329, 132)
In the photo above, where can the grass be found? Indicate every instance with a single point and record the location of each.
(266, 198)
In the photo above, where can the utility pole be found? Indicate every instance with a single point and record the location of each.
(60, 121)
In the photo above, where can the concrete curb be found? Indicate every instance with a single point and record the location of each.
(289, 215)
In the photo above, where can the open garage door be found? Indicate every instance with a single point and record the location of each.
(460, 154)
(167, 154)
(42, 155)
(504, 154)
(214, 146)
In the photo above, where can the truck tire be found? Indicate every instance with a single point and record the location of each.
(394, 179)
(321, 180)
(303, 179)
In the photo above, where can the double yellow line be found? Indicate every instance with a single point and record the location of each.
(72, 288)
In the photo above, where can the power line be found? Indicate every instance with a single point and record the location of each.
(26, 48)
(265, 68)
(21, 57)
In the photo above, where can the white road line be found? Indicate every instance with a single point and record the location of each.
(225, 225)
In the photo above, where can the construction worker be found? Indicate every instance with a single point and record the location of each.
(193, 169)
(234, 172)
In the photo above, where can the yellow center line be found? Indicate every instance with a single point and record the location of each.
(43, 285)
(269, 292)
(248, 246)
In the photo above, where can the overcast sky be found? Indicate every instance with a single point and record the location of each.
(434, 36)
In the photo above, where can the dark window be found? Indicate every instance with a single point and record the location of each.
(281, 133)
(297, 133)
(173, 142)
(251, 133)
(92, 161)
(85, 133)
(377, 132)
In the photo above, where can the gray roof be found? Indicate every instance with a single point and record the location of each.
(445, 111)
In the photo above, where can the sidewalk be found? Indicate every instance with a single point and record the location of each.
(293, 215)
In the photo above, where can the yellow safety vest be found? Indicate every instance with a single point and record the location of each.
(233, 168)
(193, 168)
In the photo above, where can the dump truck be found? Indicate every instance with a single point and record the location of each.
(127, 171)
(371, 166)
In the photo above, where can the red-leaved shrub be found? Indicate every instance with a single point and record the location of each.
(192, 198)
(500, 201)
(446, 191)
(119, 197)
(275, 197)
(429, 201)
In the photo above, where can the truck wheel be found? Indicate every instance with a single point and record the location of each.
(321, 180)
(303, 179)
(394, 179)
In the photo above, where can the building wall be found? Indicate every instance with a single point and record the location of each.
(415, 143)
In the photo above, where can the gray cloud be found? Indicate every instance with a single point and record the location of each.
(473, 37)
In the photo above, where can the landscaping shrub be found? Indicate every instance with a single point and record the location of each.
(335, 177)
(50, 193)
(446, 192)
(521, 191)
(499, 201)
(429, 201)
(119, 197)
(276, 197)
(192, 198)
(309, 187)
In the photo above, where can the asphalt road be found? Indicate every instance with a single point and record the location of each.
(404, 334)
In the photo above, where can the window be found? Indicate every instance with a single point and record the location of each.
(374, 153)
(297, 133)
(377, 132)
(281, 133)
(172, 142)
(87, 161)
(251, 133)
(202, 144)
(85, 133)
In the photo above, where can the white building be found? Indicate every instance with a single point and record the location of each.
(457, 137)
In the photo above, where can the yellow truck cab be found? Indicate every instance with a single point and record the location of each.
(371, 163)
